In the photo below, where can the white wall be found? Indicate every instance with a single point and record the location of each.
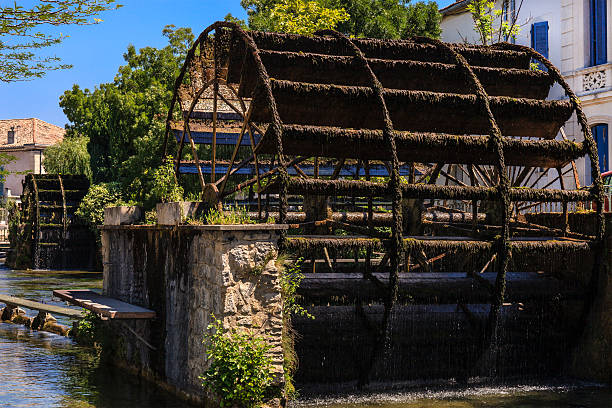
(568, 41)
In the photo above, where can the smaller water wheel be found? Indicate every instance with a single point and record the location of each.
(56, 240)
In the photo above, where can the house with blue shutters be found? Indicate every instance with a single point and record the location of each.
(576, 36)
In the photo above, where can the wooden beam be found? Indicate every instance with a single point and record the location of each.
(450, 287)
(29, 304)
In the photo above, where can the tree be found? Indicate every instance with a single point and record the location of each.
(485, 15)
(392, 19)
(125, 120)
(70, 156)
(24, 28)
(304, 17)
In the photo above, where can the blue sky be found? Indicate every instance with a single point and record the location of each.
(97, 51)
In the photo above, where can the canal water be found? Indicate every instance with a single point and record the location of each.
(39, 369)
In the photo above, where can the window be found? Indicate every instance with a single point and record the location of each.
(598, 40)
(600, 134)
(539, 40)
(11, 137)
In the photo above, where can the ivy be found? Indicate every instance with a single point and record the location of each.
(290, 278)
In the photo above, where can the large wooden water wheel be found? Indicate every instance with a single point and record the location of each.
(458, 140)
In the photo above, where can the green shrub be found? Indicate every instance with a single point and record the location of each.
(151, 217)
(240, 372)
(165, 187)
(99, 196)
(88, 329)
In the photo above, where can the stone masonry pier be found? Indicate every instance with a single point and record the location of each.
(186, 274)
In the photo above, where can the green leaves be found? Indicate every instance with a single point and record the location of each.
(165, 186)
(304, 17)
(21, 27)
(393, 19)
(124, 119)
(99, 196)
(290, 278)
(484, 15)
(240, 371)
(70, 156)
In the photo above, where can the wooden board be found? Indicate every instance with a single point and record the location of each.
(105, 306)
(29, 304)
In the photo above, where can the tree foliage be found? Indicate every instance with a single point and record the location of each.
(304, 17)
(22, 33)
(99, 196)
(125, 119)
(484, 14)
(392, 19)
(70, 156)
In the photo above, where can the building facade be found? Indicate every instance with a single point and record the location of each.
(575, 35)
(25, 140)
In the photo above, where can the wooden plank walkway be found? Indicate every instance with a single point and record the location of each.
(105, 306)
(29, 304)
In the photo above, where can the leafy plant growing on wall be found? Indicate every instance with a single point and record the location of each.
(235, 215)
(240, 371)
(165, 186)
(290, 278)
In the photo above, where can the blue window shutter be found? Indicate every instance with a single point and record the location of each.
(600, 134)
(539, 39)
(599, 41)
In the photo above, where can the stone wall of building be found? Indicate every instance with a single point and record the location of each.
(186, 274)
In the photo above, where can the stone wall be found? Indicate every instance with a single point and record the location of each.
(186, 274)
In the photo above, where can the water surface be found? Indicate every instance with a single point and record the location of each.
(39, 369)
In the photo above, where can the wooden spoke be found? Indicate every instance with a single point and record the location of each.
(525, 174)
(574, 170)
(535, 183)
(244, 128)
(240, 165)
(195, 156)
(483, 174)
(269, 173)
(300, 171)
(338, 169)
(214, 141)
